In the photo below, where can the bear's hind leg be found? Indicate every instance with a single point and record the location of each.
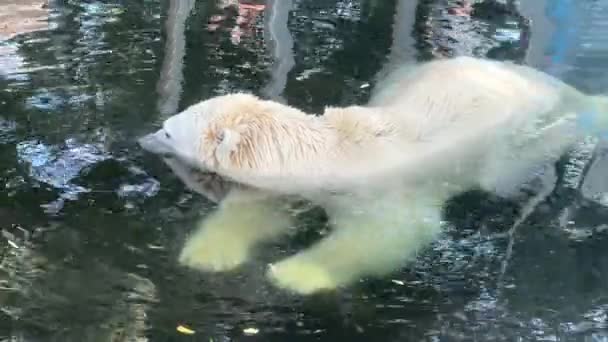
(367, 241)
(224, 240)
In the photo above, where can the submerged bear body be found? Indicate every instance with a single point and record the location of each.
(382, 171)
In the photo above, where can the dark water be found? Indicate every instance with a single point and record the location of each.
(91, 225)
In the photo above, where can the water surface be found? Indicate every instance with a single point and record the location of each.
(91, 225)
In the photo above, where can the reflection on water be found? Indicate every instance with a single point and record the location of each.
(22, 16)
(170, 81)
(281, 42)
(91, 226)
(58, 166)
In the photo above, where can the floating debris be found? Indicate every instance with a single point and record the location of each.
(185, 330)
(251, 331)
(307, 73)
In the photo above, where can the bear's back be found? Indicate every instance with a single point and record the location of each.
(470, 119)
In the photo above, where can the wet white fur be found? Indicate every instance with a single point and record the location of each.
(381, 171)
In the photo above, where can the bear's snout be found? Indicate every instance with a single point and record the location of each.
(153, 144)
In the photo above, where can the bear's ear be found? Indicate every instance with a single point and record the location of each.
(227, 143)
(233, 147)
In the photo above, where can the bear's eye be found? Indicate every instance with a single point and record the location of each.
(167, 135)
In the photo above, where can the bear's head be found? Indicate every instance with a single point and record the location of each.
(234, 132)
(178, 137)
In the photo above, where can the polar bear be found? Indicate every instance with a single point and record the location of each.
(382, 171)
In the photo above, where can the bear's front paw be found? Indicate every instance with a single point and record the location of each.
(216, 255)
(301, 276)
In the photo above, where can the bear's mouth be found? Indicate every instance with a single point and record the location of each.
(200, 174)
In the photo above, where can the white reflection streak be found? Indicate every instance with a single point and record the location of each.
(549, 182)
(281, 46)
(403, 25)
(403, 46)
(169, 85)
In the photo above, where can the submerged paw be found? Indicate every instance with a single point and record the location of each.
(216, 256)
(300, 276)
